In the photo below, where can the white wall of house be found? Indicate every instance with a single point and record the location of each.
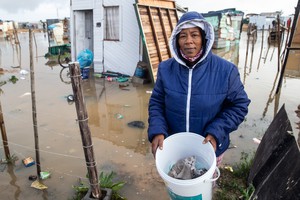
(119, 56)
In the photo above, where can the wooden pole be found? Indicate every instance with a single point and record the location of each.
(278, 35)
(297, 10)
(34, 112)
(261, 48)
(3, 133)
(84, 129)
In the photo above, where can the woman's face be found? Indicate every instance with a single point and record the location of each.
(190, 41)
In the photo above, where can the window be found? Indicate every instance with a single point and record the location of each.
(112, 23)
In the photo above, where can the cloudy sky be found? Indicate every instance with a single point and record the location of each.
(34, 10)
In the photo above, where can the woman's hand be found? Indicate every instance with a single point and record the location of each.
(211, 139)
(157, 142)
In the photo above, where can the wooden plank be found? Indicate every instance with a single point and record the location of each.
(164, 32)
(157, 23)
(296, 37)
(154, 32)
(276, 168)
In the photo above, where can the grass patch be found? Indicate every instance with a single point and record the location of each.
(106, 181)
(232, 185)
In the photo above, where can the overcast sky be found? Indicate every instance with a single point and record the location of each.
(35, 10)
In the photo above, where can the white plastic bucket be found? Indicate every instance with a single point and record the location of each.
(179, 146)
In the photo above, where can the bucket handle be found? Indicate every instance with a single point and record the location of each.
(216, 178)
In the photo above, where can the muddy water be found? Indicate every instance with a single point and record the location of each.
(117, 147)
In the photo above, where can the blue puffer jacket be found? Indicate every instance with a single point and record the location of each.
(207, 98)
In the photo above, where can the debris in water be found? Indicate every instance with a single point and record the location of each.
(122, 85)
(15, 66)
(257, 141)
(23, 72)
(119, 116)
(28, 162)
(231, 146)
(70, 98)
(44, 175)
(136, 124)
(36, 184)
(25, 94)
(32, 177)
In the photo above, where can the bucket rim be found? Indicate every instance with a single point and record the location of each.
(203, 178)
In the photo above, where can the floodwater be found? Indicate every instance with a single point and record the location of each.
(117, 146)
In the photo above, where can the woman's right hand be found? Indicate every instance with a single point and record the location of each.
(157, 142)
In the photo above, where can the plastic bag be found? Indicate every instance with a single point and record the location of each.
(85, 58)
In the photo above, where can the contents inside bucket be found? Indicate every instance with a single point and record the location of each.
(187, 168)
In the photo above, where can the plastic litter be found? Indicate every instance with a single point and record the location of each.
(136, 124)
(85, 58)
(119, 116)
(122, 79)
(36, 184)
(70, 97)
(28, 162)
(229, 168)
(44, 175)
(23, 72)
(32, 177)
(257, 141)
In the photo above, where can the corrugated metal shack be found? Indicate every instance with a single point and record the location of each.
(227, 25)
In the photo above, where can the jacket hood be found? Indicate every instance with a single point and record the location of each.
(192, 19)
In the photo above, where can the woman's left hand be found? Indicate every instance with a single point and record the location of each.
(211, 139)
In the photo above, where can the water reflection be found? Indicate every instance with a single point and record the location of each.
(110, 109)
(271, 98)
(64, 75)
(13, 181)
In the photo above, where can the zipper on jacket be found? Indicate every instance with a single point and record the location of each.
(189, 100)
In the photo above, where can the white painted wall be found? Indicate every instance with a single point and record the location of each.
(119, 56)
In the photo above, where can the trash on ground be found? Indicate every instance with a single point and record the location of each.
(136, 124)
(122, 85)
(15, 66)
(98, 75)
(122, 79)
(32, 177)
(229, 168)
(23, 72)
(85, 58)
(44, 175)
(257, 141)
(119, 116)
(36, 184)
(70, 98)
(149, 92)
(25, 94)
(28, 162)
(231, 146)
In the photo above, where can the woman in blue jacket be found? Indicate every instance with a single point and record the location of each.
(196, 90)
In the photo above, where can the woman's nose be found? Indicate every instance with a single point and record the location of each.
(189, 39)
